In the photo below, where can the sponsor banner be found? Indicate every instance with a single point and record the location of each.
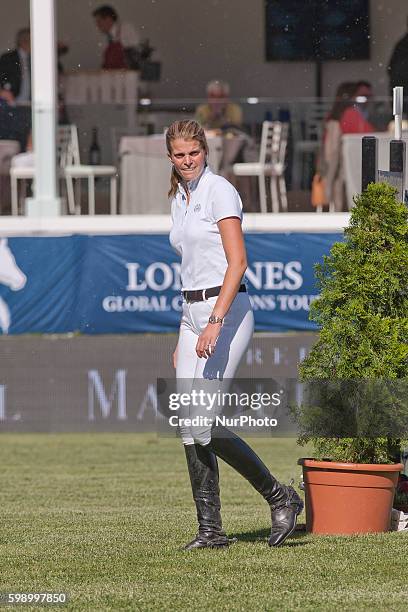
(281, 277)
(109, 383)
(127, 383)
(131, 283)
(39, 283)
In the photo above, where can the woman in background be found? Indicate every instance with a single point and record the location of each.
(346, 116)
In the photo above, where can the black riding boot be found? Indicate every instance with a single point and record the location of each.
(285, 503)
(203, 470)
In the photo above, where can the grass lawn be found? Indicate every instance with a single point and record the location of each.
(102, 517)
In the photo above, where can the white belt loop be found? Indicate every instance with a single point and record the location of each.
(203, 296)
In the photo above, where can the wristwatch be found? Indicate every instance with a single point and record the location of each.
(214, 319)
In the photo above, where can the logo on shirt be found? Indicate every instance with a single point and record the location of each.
(197, 207)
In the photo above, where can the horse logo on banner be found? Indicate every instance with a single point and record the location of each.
(11, 276)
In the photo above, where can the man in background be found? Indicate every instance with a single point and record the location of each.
(121, 37)
(14, 125)
(15, 68)
(219, 113)
(398, 65)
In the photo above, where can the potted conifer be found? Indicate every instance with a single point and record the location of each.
(355, 407)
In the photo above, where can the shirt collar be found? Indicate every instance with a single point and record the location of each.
(192, 185)
(113, 33)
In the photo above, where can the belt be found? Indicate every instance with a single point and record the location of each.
(199, 295)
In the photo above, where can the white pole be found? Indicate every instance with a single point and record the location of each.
(44, 101)
(398, 99)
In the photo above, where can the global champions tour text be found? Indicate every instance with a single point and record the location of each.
(161, 276)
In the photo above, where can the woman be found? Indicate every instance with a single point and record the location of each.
(216, 327)
(345, 117)
(350, 108)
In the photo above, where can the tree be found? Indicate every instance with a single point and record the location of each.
(362, 349)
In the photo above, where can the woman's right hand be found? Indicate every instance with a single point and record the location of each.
(175, 357)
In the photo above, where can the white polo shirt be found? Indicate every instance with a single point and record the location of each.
(125, 33)
(195, 234)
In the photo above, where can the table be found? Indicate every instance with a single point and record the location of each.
(8, 148)
(102, 99)
(105, 86)
(145, 172)
(351, 144)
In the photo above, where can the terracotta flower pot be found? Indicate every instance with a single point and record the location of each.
(347, 498)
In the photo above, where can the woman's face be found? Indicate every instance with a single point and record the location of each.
(188, 158)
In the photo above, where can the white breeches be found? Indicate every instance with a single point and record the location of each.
(215, 373)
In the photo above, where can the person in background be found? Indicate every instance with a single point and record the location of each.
(13, 125)
(344, 118)
(121, 37)
(352, 109)
(63, 118)
(398, 65)
(218, 113)
(364, 97)
(15, 70)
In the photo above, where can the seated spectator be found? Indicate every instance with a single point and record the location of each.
(13, 123)
(15, 70)
(218, 113)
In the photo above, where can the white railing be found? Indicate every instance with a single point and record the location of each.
(160, 224)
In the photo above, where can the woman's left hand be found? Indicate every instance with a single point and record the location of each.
(207, 340)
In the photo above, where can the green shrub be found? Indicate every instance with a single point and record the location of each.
(362, 311)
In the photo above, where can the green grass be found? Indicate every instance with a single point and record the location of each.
(103, 516)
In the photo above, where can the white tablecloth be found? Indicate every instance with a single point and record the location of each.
(145, 172)
(101, 86)
(352, 159)
(8, 148)
(105, 99)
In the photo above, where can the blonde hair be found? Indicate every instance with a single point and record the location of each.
(186, 130)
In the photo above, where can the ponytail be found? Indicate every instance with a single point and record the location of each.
(174, 181)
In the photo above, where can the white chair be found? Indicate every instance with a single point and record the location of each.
(271, 163)
(22, 165)
(307, 132)
(73, 169)
(69, 168)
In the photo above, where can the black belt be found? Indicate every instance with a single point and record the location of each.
(199, 295)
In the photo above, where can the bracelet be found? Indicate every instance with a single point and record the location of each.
(214, 319)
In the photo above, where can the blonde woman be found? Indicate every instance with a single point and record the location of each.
(216, 326)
